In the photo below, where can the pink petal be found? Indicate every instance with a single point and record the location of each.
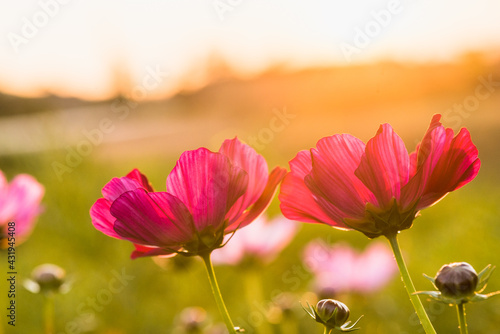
(23, 203)
(102, 219)
(152, 219)
(296, 200)
(262, 202)
(246, 158)
(208, 184)
(457, 166)
(423, 161)
(338, 191)
(117, 186)
(385, 166)
(135, 174)
(143, 251)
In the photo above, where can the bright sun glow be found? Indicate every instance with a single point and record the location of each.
(89, 48)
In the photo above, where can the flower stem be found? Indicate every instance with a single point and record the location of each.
(462, 323)
(410, 288)
(49, 314)
(217, 294)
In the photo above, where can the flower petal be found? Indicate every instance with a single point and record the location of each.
(208, 184)
(423, 162)
(102, 218)
(23, 203)
(117, 186)
(457, 166)
(385, 166)
(338, 191)
(135, 174)
(245, 157)
(143, 251)
(296, 200)
(443, 164)
(153, 219)
(262, 202)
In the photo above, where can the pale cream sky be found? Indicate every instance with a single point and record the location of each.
(73, 47)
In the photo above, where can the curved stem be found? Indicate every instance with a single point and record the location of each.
(410, 288)
(217, 294)
(462, 323)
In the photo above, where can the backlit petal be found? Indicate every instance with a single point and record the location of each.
(208, 184)
(296, 200)
(246, 158)
(117, 186)
(262, 202)
(332, 178)
(154, 219)
(385, 166)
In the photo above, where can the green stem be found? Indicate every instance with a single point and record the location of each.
(217, 294)
(410, 288)
(462, 323)
(49, 314)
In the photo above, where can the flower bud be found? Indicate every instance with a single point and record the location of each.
(46, 278)
(332, 313)
(456, 280)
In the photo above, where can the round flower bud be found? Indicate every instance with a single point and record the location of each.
(456, 280)
(332, 313)
(49, 277)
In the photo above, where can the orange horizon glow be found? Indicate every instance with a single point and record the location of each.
(94, 50)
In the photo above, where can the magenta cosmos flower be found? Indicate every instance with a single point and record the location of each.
(19, 203)
(377, 188)
(340, 268)
(262, 241)
(209, 194)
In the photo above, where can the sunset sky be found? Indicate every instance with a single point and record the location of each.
(81, 48)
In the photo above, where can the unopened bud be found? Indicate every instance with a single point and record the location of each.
(456, 280)
(332, 313)
(46, 278)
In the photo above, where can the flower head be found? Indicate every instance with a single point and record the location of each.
(47, 279)
(260, 241)
(209, 194)
(458, 283)
(376, 188)
(19, 205)
(333, 315)
(340, 268)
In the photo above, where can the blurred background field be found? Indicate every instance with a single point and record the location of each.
(74, 144)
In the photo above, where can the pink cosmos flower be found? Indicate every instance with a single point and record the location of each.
(377, 188)
(262, 240)
(209, 194)
(19, 203)
(340, 268)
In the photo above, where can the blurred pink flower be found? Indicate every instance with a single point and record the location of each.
(377, 188)
(209, 194)
(340, 268)
(262, 240)
(20, 203)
